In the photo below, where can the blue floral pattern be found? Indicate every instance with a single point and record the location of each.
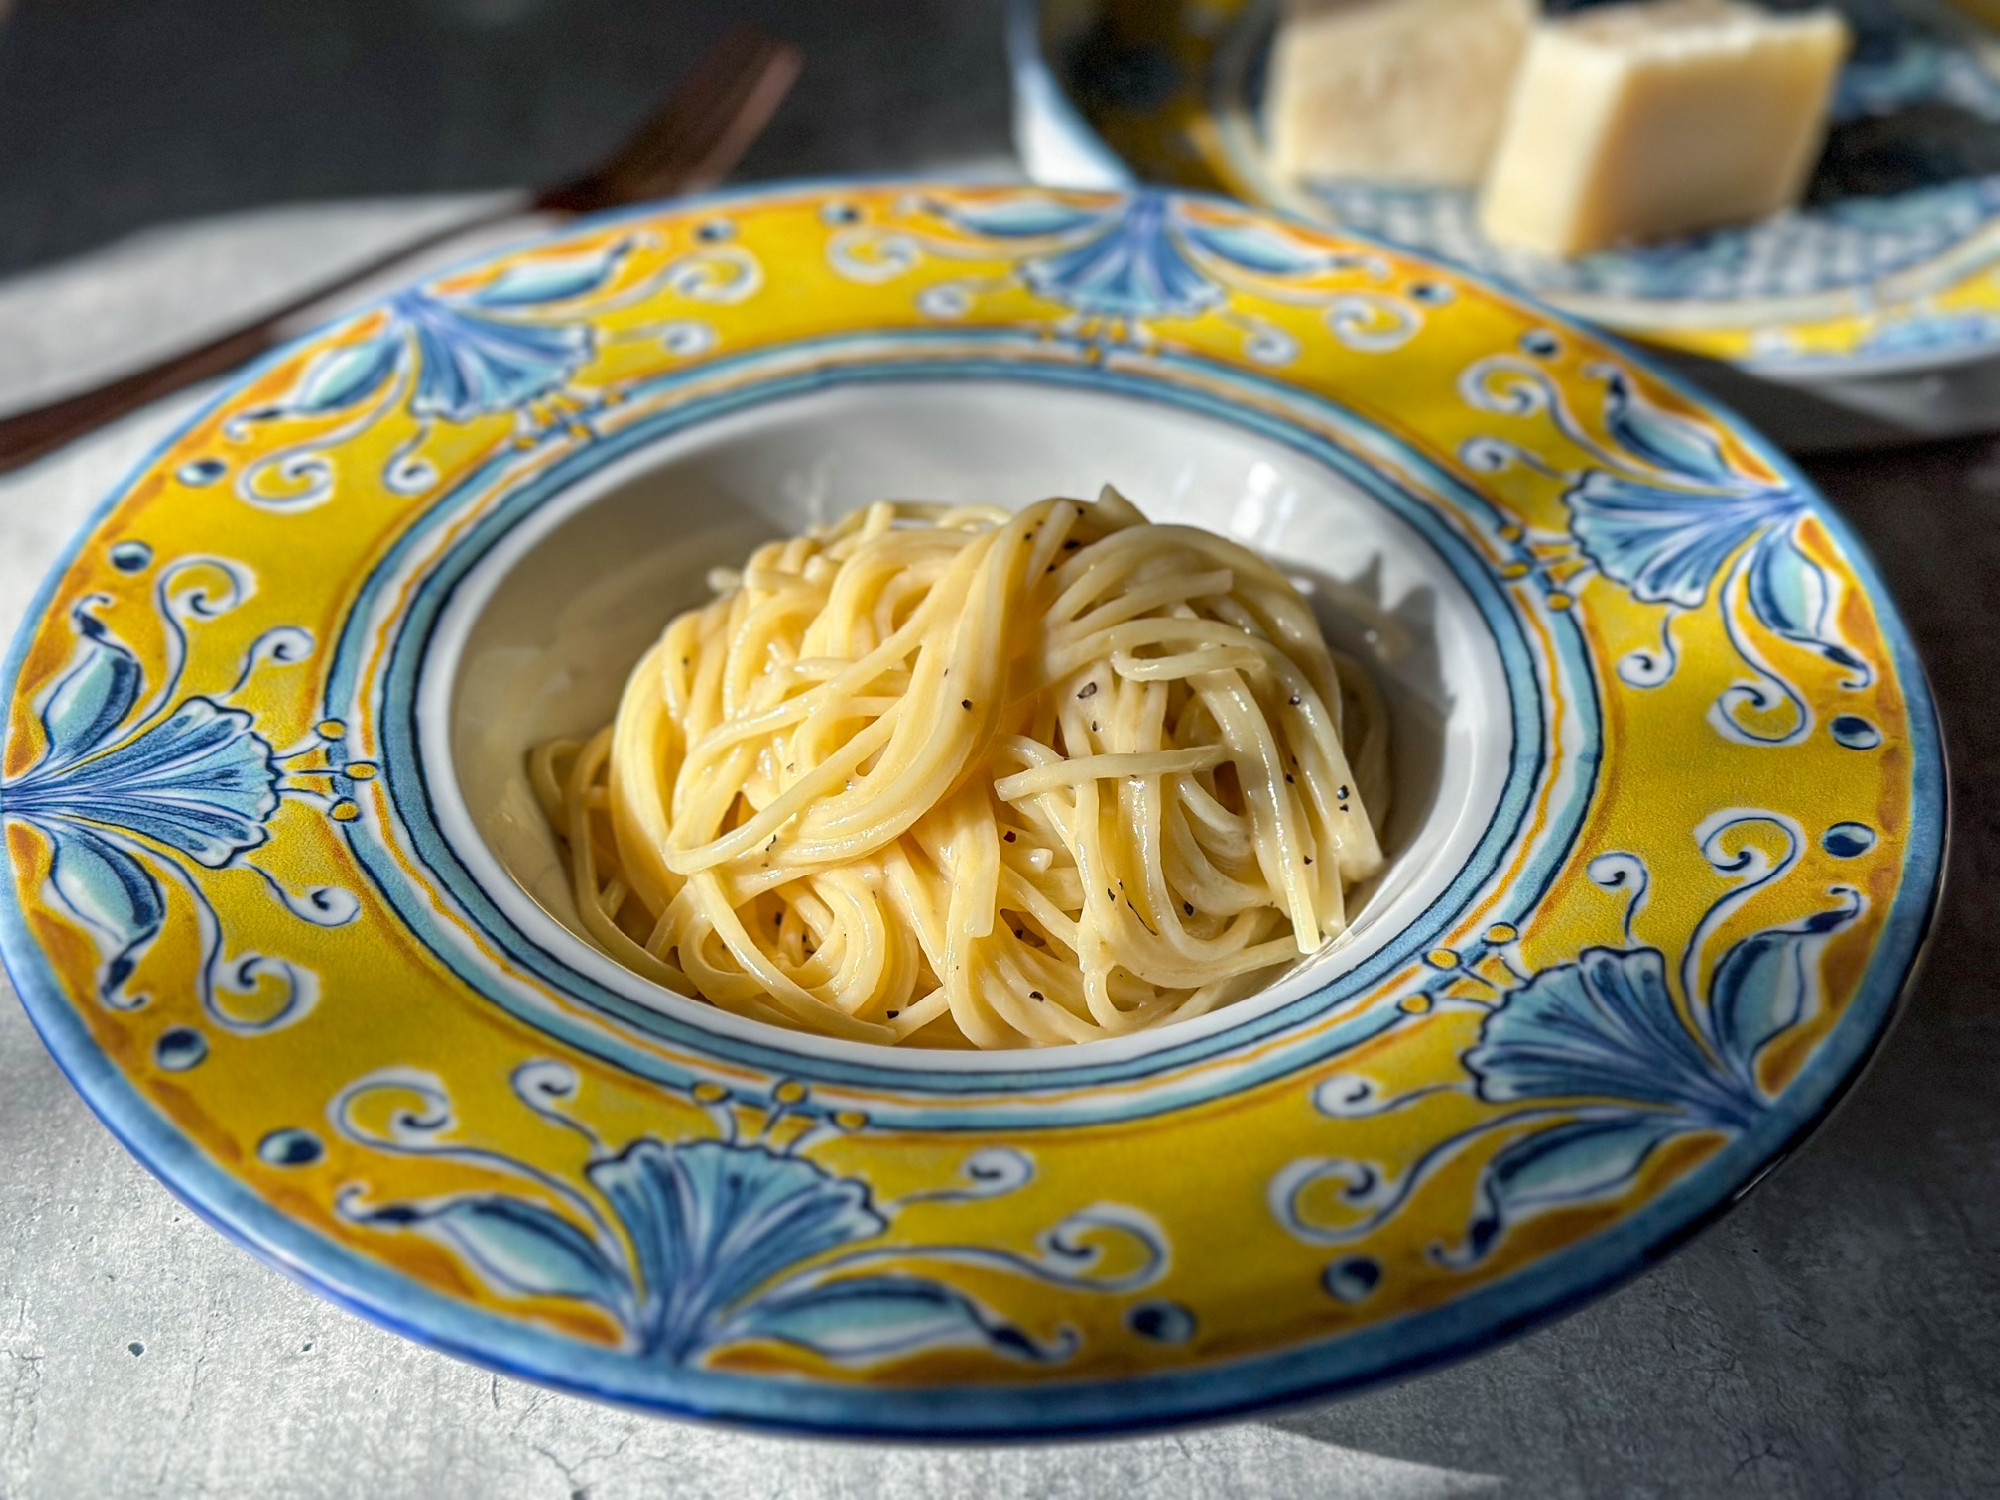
(1595, 1063)
(513, 344)
(123, 790)
(696, 1246)
(1123, 266)
(464, 360)
(1665, 515)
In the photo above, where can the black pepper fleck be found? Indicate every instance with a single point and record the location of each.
(1009, 835)
(1088, 690)
(1034, 994)
(1290, 780)
(1188, 907)
(1071, 545)
(1294, 700)
(965, 703)
(1309, 859)
(892, 1014)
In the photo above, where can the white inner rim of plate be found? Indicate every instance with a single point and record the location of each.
(540, 634)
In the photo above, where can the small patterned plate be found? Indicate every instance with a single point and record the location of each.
(1890, 268)
(1669, 818)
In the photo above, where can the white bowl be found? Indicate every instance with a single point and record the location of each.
(539, 637)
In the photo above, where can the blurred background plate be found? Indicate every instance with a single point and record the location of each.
(1870, 316)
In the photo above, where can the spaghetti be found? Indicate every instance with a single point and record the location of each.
(957, 776)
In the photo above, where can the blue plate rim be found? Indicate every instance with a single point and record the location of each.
(1054, 1409)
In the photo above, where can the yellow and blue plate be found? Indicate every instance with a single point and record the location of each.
(1668, 831)
(1892, 267)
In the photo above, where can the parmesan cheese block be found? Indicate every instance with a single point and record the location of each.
(1634, 122)
(1392, 90)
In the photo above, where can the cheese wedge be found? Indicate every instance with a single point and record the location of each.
(1631, 123)
(1392, 90)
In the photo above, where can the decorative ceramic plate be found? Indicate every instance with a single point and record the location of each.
(1667, 834)
(1893, 265)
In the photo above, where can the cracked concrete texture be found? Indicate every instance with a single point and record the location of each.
(1839, 1333)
